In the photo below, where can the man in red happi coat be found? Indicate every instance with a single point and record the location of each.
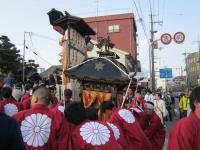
(185, 135)
(135, 137)
(53, 98)
(39, 127)
(59, 109)
(26, 98)
(89, 135)
(152, 126)
(92, 114)
(9, 106)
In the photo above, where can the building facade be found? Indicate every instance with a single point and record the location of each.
(193, 69)
(121, 28)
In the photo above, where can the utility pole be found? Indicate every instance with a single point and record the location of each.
(186, 70)
(152, 54)
(23, 62)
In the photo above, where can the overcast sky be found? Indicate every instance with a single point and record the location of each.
(18, 16)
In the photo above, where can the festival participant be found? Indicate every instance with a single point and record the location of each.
(152, 127)
(186, 133)
(9, 106)
(39, 127)
(138, 100)
(67, 99)
(26, 98)
(89, 135)
(135, 137)
(10, 137)
(92, 114)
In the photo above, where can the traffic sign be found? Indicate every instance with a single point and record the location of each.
(166, 38)
(179, 37)
(166, 73)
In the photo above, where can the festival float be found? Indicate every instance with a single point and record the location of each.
(92, 80)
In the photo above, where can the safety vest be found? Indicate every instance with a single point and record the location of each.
(183, 104)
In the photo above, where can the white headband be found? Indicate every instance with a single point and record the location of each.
(149, 105)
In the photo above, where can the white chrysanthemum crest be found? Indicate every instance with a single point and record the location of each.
(95, 133)
(36, 129)
(126, 115)
(61, 109)
(115, 130)
(10, 109)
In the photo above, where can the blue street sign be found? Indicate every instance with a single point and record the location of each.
(166, 73)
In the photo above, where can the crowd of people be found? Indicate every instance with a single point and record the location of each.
(38, 120)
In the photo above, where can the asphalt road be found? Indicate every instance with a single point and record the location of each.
(169, 125)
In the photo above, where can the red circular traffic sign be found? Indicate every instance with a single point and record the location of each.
(166, 38)
(179, 37)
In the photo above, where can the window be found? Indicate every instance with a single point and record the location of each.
(113, 28)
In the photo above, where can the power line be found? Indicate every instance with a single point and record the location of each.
(44, 37)
(32, 46)
(39, 56)
(141, 21)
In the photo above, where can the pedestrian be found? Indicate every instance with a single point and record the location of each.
(9, 105)
(10, 137)
(39, 126)
(135, 137)
(183, 105)
(9, 80)
(168, 103)
(153, 127)
(159, 106)
(185, 134)
(89, 135)
(149, 96)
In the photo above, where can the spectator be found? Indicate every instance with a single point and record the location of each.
(9, 80)
(10, 137)
(149, 96)
(54, 78)
(168, 103)
(160, 107)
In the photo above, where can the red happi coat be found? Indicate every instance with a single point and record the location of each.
(119, 135)
(10, 107)
(40, 129)
(26, 101)
(185, 135)
(135, 137)
(94, 135)
(154, 130)
(54, 103)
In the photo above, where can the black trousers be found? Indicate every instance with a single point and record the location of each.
(170, 112)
